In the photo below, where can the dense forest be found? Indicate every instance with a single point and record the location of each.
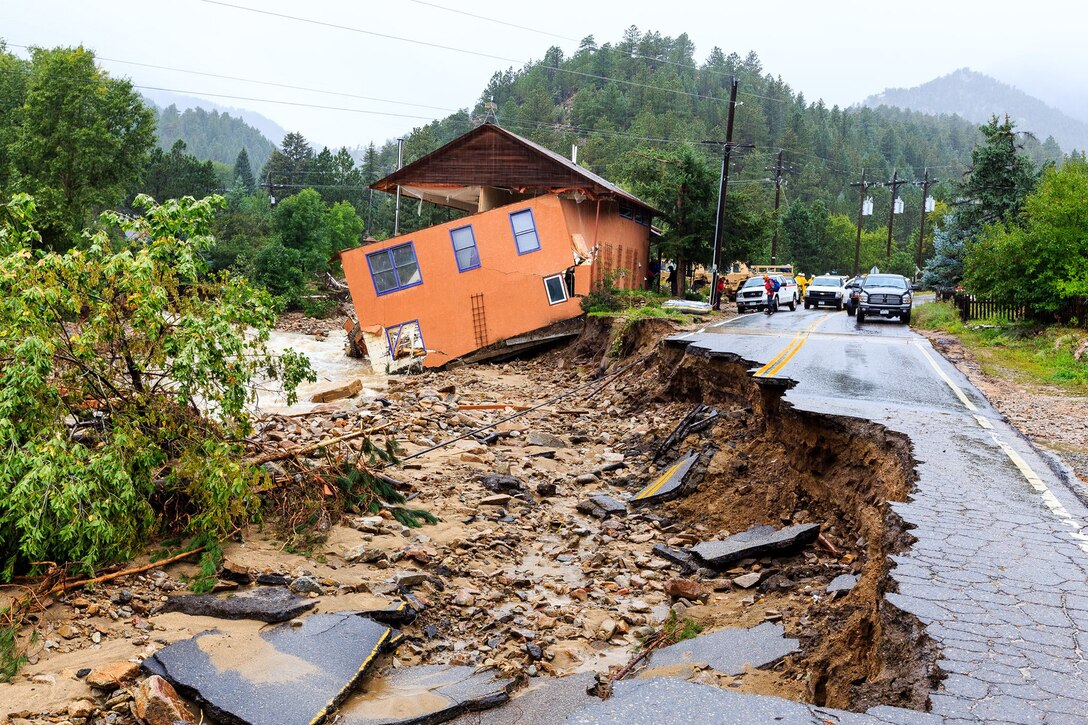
(211, 135)
(648, 98)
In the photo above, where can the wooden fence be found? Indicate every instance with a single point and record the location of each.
(1074, 312)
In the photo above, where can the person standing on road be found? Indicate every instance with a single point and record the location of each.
(769, 286)
(803, 283)
(718, 292)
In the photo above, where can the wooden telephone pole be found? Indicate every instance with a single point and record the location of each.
(895, 183)
(925, 184)
(777, 196)
(862, 186)
(723, 189)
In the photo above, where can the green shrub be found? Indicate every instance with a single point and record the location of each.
(126, 372)
(937, 316)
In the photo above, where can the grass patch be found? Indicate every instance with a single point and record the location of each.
(1030, 353)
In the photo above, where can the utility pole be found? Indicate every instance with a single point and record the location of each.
(863, 186)
(925, 184)
(777, 196)
(723, 190)
(895, 183)
(400, 162)
(272, 190)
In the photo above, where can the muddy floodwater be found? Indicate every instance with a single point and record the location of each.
(329, 361)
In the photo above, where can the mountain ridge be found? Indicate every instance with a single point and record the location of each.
(977, 97)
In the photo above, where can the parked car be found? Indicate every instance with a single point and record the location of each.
(752, 295)
(885, 295)
(853, 294)
(826, 290)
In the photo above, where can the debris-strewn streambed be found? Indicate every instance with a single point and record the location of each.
(538, 568)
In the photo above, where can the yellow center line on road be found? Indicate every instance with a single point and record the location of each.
(656, 485)
(779, 361)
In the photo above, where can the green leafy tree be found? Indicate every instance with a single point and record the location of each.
(243, 172)
(1042, 262)
(80, 143)
(126, 372)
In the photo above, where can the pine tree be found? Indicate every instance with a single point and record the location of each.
(243, 172)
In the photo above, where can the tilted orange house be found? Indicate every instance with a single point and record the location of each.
(543, 232)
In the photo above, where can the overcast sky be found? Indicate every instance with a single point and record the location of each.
(838, 50)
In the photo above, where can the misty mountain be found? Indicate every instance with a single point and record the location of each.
(271, 130)
(211, 135)
(977, 97)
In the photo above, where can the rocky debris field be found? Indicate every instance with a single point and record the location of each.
(539, 566)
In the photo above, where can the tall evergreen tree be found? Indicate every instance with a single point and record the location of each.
(243, 172)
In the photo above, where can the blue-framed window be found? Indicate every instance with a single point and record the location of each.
(404, 339)
(464, 248)
(394, 268)
(525, 236)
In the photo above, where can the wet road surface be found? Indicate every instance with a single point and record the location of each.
(999, 571)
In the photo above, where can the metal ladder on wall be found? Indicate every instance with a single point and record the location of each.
(479, 319)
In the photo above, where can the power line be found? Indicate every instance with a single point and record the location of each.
(258, 82)
(466, 51)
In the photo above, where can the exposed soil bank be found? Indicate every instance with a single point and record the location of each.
(778, 465)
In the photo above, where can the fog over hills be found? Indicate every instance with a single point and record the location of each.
(977, 97)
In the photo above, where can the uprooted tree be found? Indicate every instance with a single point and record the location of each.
(126, 370)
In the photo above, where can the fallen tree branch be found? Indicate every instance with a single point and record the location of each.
(655, 642)
(68, 586)
(270, 457)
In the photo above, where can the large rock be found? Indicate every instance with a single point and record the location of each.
(686, 588)
(425, 694)
(111, 676)
(157, 703)
(265, 604)
(284, 674)
(344, 391)
(755, 542)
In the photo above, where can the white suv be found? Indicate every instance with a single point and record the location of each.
(752, 295)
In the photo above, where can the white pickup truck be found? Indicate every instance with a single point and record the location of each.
(826, 290)
(752, 295)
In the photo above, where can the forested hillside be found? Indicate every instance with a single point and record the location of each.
(647, 97)
(211, 135)
(977, 97)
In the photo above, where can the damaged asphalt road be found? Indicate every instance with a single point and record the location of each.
(944, 576)
(998, 571)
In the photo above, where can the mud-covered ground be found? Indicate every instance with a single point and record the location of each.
(515, 576)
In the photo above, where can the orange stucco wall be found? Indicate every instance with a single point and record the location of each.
(623, 247)
(514, 300)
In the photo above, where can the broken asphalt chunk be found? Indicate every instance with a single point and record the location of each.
(284, 674)
(602, 506)
(676, 556)
(424, 694)
(668, 483)
(842, 584)
(755, 542)
(265, 604)
(728, 651)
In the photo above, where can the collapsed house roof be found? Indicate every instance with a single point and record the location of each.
(490, 156)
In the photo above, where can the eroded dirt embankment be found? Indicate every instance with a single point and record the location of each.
(778, 465)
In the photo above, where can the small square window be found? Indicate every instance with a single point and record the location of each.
(525, 235)
(557, 291)
(464, 248)
(394, 269)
